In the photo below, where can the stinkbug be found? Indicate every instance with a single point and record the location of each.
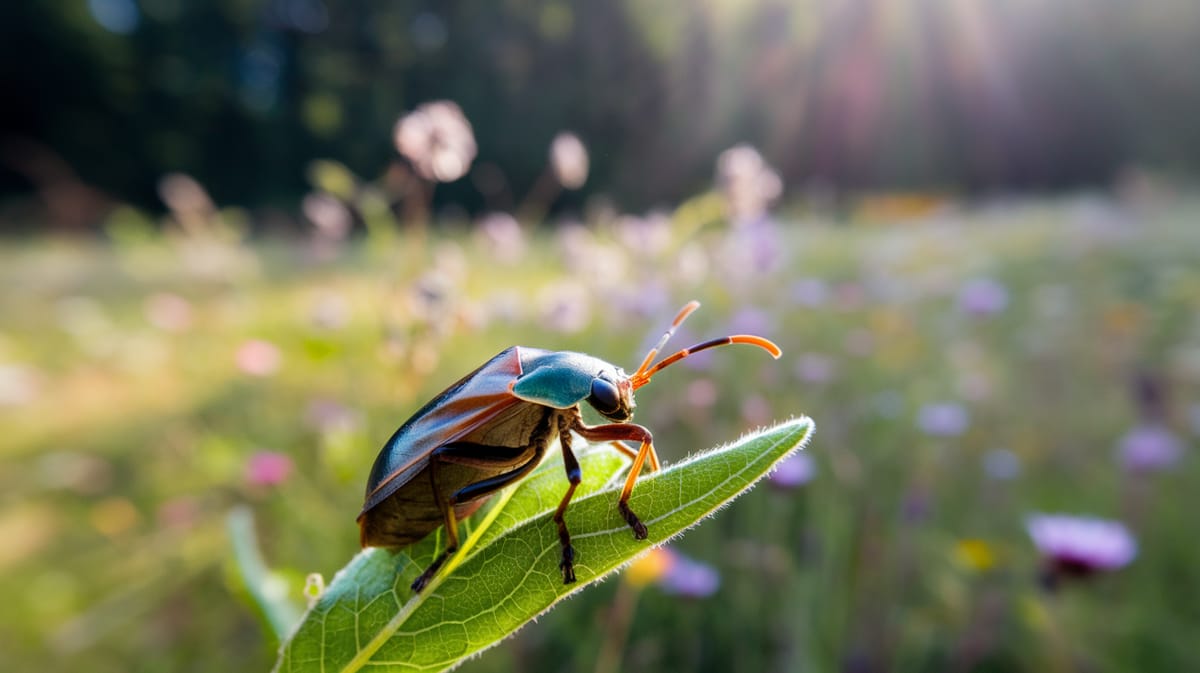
(493, 426)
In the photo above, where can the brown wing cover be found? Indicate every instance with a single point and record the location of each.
(478, 430)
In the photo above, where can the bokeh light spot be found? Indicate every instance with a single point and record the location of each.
(116, 16)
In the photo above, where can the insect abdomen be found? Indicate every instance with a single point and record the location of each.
(402, 519)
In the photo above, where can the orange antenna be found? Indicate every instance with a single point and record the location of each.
(644, 373)
(679, 318)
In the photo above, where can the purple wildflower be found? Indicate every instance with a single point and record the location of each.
(1076, 546)
(943, 419)
(983, 297)
(1150, 447)
(687, 578)
(794, 471)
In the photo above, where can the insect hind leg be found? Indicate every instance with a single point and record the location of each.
(631, 454)
(451, 524)
(419, 583)
(468, 493)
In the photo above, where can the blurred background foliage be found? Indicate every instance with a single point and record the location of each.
(947, 95)
(968, 370)
(248, 239)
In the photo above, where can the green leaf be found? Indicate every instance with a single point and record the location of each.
(507, 572)
(266, 590)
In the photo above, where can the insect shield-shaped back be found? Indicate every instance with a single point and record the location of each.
(493, 427)
(563, 379)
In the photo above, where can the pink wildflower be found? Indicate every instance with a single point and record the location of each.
(259, 358)
(268, 468)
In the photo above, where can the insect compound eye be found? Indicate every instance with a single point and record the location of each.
(605, 397)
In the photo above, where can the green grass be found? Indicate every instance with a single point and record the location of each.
(130, 449)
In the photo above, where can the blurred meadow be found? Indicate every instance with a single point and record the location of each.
(232, 266)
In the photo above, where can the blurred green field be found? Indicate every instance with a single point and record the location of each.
(965, 369)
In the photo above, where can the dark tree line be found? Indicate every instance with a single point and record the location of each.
(857, 94)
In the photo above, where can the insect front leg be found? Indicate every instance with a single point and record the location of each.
(574, 476)
(626, 432)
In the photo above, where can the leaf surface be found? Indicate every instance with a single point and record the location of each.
(507, 572)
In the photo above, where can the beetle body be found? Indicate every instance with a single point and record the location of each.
(477, 429)
(494, 426)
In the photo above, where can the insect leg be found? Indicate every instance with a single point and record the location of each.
(468, 493)
(627, 432)
(574, 476)
(628, 452)
(451, 524)
(632, 454)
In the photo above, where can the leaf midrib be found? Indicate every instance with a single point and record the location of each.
(393, 626)
(687, 509)
(380, 639)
